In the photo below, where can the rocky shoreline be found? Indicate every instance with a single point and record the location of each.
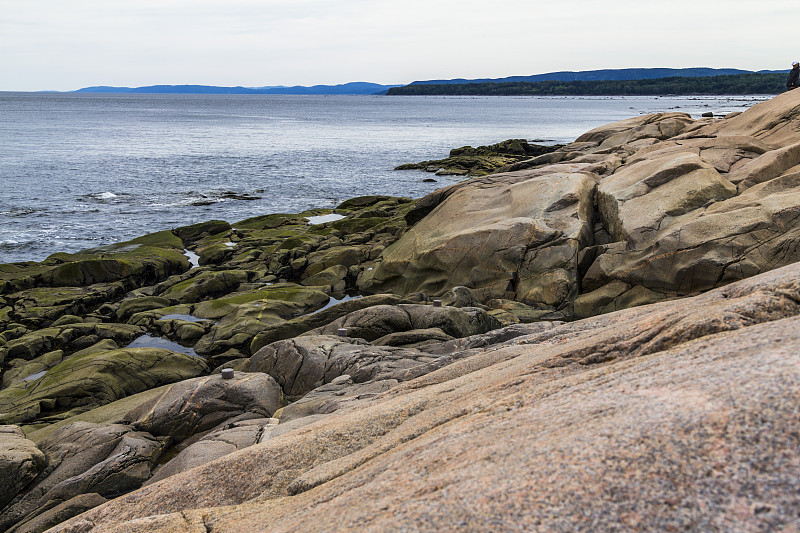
(611, 324)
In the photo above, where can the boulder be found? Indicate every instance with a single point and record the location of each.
(374, 322)
(231, 437)
(713, 245)
(94, 379)
(195, 232)
(20, 462)
(460, 297)
(297, 326)
(658, 126)
(304, 363)
(31, 345)
(413, 338)
(332, 277)
(516, 235)
(200, 404)
(247, 314)
(205, 285)
(61, 512)
(340, 393)
(635, 201)
(85, 458)
(136, 305)
(299, 365)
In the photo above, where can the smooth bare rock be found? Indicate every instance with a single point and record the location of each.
(233, 437)
(304, 363)
(751, 233)
(61, 512)
(195, 405)
(773, 122)
(590, 303)
(20, 462)
(656, 126)
(414, 337)
(375, 322)
(634, 201)
(341, 393)
(767, 166)
(515, 235)
(108, 459)
(300, 364)
(297, 326)
(689, 402)
(492, 338)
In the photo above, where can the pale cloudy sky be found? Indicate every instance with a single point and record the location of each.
(69, 44)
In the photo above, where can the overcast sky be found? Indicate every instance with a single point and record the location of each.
(66, 45)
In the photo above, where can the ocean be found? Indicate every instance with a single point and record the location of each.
(83, 170)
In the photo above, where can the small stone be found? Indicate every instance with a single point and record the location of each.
(761, 508)
(227, 373)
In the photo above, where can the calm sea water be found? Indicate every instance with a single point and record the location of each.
(83, 170)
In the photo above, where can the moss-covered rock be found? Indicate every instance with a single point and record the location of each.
(332, 277)
(130, 307)
(469, 161)
(245, 315)
(195, 232)
(91, 380)
(205, 285)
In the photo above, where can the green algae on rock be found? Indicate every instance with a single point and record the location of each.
(483, 160)
(85, 381)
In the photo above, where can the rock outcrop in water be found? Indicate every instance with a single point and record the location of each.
(616, 349)
(469, 161)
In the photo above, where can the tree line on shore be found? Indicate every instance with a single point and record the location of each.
(755, 83)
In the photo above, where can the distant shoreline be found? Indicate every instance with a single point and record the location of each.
(753, 83)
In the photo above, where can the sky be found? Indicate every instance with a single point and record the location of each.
(65, 45)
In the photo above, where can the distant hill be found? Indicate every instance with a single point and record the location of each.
(749, 83)
(353, 88)
(366, 88)
(605, 75)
